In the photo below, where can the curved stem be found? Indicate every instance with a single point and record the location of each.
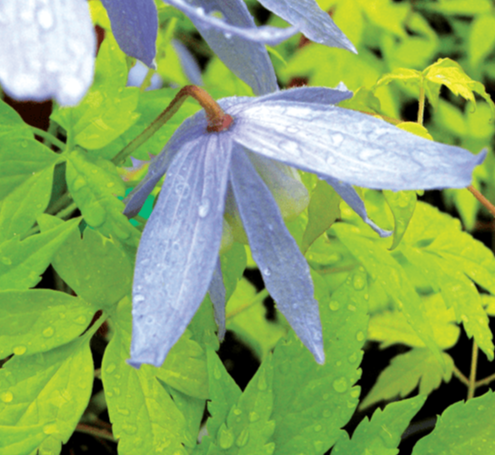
(49, 137)
(262, 295)
(486, 203)
(458, 374)
(421, 107)
(485, 381)
(472, 375)
(96, 432)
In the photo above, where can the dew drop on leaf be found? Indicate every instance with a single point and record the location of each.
(129, 429)
(270, 448)
(351, 308)
(334, 305)
(50, 428)
(48, 332)
(110, 368)
(360, 336)
(6, 261)
(225, 437)
(253, 416)
(19, 350)
(243, 438)
(318, 428)
(80, 320)
(358, 282)
(340, 385)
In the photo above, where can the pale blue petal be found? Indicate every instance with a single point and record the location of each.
(217, 296)
(191, 129)
(284, 269)
(350, 196)
(137, 74)
(179, 248)
(200, 11)
(135, 26)
(315, 24)
(47, 50)
(319, 95)
(247, 59)
(188, 63)
(355, 148)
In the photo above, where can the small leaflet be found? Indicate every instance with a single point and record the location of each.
(382, 434)
(406, 372)
(464, 427)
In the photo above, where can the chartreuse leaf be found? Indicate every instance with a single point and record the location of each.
(108, 108)
(233, 265)
(323, 210)
(312, 402)
(390, 327)
(22, 158)
(481, 38)
(408, 76)
(22, 263)
(95, 267)
(363, 100)
(382, 266)
(246, 316)
(143, 414)
(43, 396)
(150, 105)
(40, 319)
(464, 427)
(224, 393)
(382, 434)
(402, 205)
(19, 210)
(449, 73)
(94, 187)
(405, 372)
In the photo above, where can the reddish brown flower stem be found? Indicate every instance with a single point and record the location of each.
(486, 203)
(218, 120)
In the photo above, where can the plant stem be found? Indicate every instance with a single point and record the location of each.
(421, 106)
(217, 119)
(67, 211)
(259, 297)
(96, 432)
(49, 137)
(391, 120)
(472, 375)
(147, 80)
(61, 203)
(486, 203)
(458, 374)
(485, 381)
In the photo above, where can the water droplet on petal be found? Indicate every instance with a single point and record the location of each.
(292, 129)
(290, 147)
(267, 272)
(204, 208)
(337, 139)
(138, 298)
(45, 19)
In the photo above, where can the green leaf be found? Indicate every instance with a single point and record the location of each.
(94, 187)
(40, 319)
(143, 414)
(11, 124)
(323, 210)
(382, 266)
(459, 7)
(246, 316)
(244, 427)
(405, 75)
(22, 263)
(107, 110)
(402, 205)
(381, 435)
(363, 100)
(463, 428)
(233, 265)
(449, 73)
(481, 38)
(19, 210)
(43, 396)
(415, 128)
(405, 372)
(312, 402)
(391, 327)
(95, 267)
(150, 105)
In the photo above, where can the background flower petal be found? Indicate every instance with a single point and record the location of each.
(349, 195)
(135, 26)
(188, 62)
(217, 296)
(284, 269)
(319, 95)
(47, 50)
(227, 37)
(191, 130)
(179, 248)
(352, 147)
(315, 24)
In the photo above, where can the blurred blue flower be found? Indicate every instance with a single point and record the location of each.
(177, 260)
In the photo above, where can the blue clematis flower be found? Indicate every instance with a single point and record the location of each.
(47, 50)
(177, 260)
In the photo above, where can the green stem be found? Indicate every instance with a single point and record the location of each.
(60, 204)
(486, 203)
(96, 432)
(67, 211)
(217, 119)
(48, 137)
(472, 375)
(147, 80)
(262, 295)
(460, 376)
(485, 381)
(421, 107)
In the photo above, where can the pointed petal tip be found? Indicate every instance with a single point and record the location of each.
(134, 363)
(319, 354)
